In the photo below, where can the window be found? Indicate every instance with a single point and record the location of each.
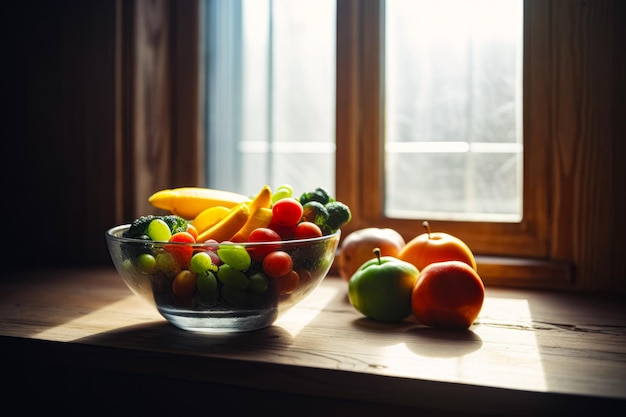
(453, 109)
(271, 94)
(352, 135)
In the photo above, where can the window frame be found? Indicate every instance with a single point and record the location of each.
(511, 252)
(578, 61)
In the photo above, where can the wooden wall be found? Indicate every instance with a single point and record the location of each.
(102, 110)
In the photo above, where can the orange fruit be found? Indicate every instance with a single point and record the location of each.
(448, 294)
(433, 247)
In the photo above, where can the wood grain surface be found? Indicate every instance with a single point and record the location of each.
(528, 352)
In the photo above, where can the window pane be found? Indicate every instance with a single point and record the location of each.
(271, 94)
(453, 116)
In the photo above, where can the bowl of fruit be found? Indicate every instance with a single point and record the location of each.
(222, 262)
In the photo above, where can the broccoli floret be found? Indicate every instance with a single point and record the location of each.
(139, 227)
(176, 223)
(338, 215)
(315, 212)
(319, 194)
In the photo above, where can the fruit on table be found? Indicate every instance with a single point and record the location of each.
(357, 248)
(262, 199)
(188, 202)
(381, 288)
(431, 247)
(259, 218)
(227, 273)
(263, 234)
(448, 294)
(228, 226)
(209, 217)
(306, 230)
(277, 263)
(287, 212)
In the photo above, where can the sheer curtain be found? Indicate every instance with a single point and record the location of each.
(271, 94)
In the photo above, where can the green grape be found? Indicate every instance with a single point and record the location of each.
(127, 265)
(166, 263)
(201, 263)
(232, 277)
(159, 231)
(207, 286)
(283, 191)
(146, 263)
(258, 283)
(235, 255)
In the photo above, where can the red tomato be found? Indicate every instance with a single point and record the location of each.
(184, 284)
(277, 263)
(287, 212)
(285, 232)
(182, 253)
(305, 275)
(262, 234)
(286, 284)
(191, 229)
(305, 230)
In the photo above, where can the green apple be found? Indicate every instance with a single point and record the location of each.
(381, 288)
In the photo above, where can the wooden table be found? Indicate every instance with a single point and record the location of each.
(76, 338)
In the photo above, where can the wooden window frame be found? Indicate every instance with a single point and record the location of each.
(535, 251)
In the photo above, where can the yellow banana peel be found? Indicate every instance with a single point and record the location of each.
(189, 202)
(261, 217)
(228, 226)
(209, 217)
(262, 199)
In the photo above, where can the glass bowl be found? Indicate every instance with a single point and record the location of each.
(224, 297)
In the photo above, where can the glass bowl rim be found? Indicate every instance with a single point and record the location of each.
(111, 234)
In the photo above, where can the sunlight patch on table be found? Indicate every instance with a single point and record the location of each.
(494, 346)
(125, 312)
(294, 320)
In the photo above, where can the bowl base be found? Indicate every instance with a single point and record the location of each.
(226, 321)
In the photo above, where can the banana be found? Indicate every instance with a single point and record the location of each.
(262, 199)
(209, 217)
(188, 202)
(261, 217)
(228, 226)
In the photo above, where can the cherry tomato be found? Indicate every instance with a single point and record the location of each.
(287, 212)
(277, 263)
(184, 284)
(305, 230)
(286, 284)
(285, 232)
(262, 234)
(191, 229)
(305, 275)
(182, 253)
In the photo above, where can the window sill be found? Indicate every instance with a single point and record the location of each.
(525, 272)
(79, 337)
(520, 272)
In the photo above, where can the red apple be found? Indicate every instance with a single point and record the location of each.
(448, 294)
(357, 248)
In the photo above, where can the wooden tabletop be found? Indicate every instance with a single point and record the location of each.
(529, 352)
